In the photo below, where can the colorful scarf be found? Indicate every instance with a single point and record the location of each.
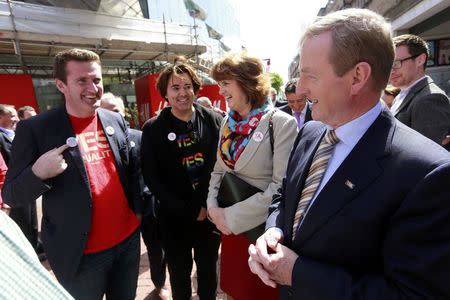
(237, 132)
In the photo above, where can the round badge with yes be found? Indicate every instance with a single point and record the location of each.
(72, 142)
(258, 136)
(110, 130)
(171, 136)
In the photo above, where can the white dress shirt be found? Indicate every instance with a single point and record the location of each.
(10, 133)
(398, 100)
(349, 135)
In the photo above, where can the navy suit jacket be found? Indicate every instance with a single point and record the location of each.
(385, 237)
(66, 198)
(5, 147)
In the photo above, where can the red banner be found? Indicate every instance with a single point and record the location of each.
(212, 92)
(17, 90)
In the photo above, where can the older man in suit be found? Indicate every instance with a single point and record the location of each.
(8, 123)
(421, 104)
(296, 106)
(340, 228)
(88, 180)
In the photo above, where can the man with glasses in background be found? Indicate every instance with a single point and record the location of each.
(421, 104)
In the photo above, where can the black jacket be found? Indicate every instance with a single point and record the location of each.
(162, 169)
(66, 198)
(5, 147)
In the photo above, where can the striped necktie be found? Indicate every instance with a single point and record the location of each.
(315, 174)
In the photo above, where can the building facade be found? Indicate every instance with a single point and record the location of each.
(429, 19)
(132, 37)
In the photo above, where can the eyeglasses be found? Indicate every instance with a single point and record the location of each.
(398, 63)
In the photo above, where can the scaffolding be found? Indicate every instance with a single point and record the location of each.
(31, 34)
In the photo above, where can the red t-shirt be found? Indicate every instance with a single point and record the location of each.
(112, 219)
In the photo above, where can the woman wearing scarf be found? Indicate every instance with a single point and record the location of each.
(246, 151)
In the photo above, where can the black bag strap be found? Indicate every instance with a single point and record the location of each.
(271, 128)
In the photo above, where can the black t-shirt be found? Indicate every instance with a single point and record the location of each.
(189, 138)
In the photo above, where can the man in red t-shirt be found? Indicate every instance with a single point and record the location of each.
(78, 157)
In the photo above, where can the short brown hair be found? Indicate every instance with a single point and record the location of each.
(415, 44)
(179, 67)
(63, 57)
(248, 71)
(6, 109)
(358, 35)
(21, 111)
(291, 86)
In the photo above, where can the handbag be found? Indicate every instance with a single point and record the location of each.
(233, 190)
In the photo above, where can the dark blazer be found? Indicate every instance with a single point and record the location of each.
(67, 202)
(25, 216)
(164, 174)
(141, 207)
(5, 147)
(288, 110)
(379, 229)
(426, 109)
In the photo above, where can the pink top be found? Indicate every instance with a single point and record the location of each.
(3, 169)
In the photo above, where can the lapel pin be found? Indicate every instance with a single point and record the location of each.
(132, 144)
(110, 130)
(350, 184)
(171, 136)
(258, 136)
(72, 142)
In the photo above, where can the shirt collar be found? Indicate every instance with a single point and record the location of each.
(303, 110)
(10, 133)
(350, 133)
(408, 88)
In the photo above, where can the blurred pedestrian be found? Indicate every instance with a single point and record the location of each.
(26, 112)
(22, 276)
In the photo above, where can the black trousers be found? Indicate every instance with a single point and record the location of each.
(155, 251)
(26, 218)
(178, 246)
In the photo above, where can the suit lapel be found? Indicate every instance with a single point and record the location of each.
(73, 153)
(302, 157)
(308, 116)
(412, 93)
(112, 133)
(357, 171)
(7, 139)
